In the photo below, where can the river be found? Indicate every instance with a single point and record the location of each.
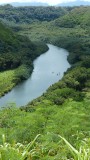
(48, 69)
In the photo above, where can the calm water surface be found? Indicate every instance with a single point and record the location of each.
(48, 69)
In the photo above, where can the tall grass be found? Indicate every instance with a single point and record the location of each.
(84, 151)
(18, 151)
(32, 151)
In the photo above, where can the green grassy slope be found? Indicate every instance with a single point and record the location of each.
(70, 120)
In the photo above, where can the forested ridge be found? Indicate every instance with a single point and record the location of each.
(36, 131)
(28, 14)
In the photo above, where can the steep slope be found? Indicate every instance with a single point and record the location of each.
(16, 50)
(10, 45)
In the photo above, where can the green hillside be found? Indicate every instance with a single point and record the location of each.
(15, 49)
(16, 57)
(55, 126)
(70, 120)
(21, 15)
(77, 16)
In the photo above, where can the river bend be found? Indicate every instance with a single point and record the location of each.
(48, 69)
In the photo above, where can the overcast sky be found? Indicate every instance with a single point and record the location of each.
(51, 2)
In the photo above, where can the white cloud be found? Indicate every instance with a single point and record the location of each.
(51, 2)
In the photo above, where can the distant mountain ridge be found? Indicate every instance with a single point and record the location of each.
(75, 3)
(19, 4)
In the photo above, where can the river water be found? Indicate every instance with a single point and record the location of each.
(48, 69)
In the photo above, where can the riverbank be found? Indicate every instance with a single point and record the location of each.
(10, 78)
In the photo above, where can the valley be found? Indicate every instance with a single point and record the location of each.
(63, 110)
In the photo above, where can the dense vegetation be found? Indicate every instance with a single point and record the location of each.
(70, 120)
(30, 14)
(64, 110)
